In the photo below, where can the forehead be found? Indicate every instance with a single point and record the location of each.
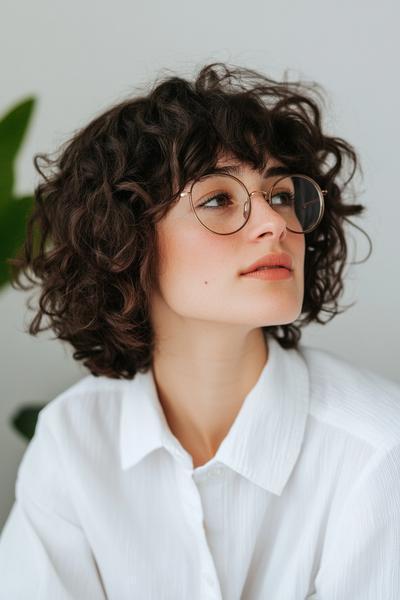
(237, 167)
(225, 159)
(232, 165)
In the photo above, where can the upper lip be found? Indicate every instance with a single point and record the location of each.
(272, 259)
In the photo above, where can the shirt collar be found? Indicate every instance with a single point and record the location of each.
(265, 439)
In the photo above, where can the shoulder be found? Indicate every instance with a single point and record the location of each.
(87, 394)
(76, 436)
(354, 399)
(86, 411)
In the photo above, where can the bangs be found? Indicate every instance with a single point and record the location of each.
(226, 129)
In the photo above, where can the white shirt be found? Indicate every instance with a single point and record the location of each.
(301, 500)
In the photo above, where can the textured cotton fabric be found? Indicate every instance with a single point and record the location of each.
(301, 500)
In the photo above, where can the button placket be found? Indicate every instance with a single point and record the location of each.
(211, 589)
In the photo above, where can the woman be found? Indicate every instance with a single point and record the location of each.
(209, 454)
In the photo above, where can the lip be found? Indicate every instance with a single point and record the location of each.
(272, 259)
(270, 274)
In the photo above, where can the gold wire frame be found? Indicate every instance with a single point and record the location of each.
(321, 194)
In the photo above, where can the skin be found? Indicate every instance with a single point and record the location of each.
(210, 349)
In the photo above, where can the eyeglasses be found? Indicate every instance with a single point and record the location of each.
(222, 203)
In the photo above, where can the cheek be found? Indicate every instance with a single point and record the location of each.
(191, 257)
(194, 268)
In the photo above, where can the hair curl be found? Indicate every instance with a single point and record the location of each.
(91, 236)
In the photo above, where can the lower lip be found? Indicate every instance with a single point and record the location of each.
(270, 274)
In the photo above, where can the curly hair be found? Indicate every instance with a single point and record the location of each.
(91, 236)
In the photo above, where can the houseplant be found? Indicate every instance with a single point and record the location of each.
(14, 211)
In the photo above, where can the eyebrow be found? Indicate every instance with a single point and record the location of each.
(237, 170)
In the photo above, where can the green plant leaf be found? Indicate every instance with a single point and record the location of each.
(13, 219)
(13, 127)
(24, 419)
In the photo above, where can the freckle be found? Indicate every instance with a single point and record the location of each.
(206, 282)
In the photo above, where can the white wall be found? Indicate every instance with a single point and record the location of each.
(79, 57)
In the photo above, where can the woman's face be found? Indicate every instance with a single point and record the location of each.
(200, 271)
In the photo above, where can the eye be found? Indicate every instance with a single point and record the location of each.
(283, 198)
(222, 198)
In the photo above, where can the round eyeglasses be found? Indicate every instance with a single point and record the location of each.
(222, 203)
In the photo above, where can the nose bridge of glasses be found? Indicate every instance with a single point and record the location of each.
(262, 192)
(278, 216)
(266, 196)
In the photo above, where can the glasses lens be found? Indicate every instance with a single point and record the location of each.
(218, 201)
(299, 201)
(221, 202)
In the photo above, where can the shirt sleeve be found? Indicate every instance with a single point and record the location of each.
(361, 554)
(44, 553)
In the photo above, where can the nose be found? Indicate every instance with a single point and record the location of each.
(263, 216)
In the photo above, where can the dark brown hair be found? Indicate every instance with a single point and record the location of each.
(91, 238)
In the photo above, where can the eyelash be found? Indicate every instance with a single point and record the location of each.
(202, 205)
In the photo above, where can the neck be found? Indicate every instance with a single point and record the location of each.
(203, 373)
